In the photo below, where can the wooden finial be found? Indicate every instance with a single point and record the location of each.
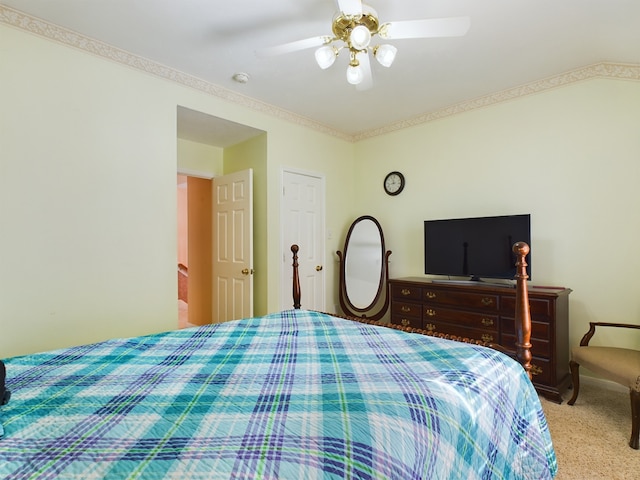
(521, 249)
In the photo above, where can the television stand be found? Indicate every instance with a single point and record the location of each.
(478, 283)
(480, 311)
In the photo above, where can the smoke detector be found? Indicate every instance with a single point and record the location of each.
(241, 77)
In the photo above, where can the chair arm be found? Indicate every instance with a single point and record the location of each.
(592, 330)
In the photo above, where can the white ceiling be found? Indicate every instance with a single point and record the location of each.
(510, 43)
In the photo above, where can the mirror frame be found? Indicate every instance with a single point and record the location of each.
(345, 303)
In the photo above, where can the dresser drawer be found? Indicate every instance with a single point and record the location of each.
(539, 330)
(460, 331)
(481, 321)
(541, 370)
(406, 314)
(413, 322)
(537, 306)
(473, 301)
(406, 309)
(406, 292)
(539, 346)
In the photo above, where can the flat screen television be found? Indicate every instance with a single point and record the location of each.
(479, 247)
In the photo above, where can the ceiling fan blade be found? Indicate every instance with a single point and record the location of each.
(365, 65)
(350, 7)
(427, 28)
(292, 46)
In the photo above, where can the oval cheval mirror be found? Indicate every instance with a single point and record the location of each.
(364, 270)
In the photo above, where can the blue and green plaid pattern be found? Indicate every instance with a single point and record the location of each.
(293, 395)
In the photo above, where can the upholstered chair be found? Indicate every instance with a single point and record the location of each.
(620, 365)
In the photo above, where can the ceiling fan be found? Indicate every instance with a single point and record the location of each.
(353, 28)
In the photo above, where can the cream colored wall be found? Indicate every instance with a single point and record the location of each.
(88, 229)
(88, 198)
(570, 157)
(199, 159)
(88, 193)
(252, 154)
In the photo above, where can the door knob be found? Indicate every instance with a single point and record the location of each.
(246, 271)
(318, 268)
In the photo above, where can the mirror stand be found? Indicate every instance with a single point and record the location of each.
(364, 270)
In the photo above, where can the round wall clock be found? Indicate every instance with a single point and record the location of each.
(394, 183)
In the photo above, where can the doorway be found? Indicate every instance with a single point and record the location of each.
(215, 248)
(303, 206)
(194, 267)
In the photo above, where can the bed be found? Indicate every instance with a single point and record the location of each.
(294, 395)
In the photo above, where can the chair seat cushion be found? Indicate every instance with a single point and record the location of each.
(620, 365)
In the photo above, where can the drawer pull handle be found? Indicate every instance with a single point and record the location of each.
(405, 309)
(535, 370)
(430, 312)
(487, 322)
(487, 338)
(404, 322)
(430, 327)
(405, 292)
(430, 295)
(486, 301)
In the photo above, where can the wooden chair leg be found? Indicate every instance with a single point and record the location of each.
(575, 378)
(635, 419)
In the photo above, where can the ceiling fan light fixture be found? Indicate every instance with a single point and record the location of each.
(385, 54)
(354, 26)
(325, 56)
(354, 74)
(360, 37)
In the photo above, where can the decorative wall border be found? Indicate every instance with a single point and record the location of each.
(599, 70)
(37, 26)
(70, 38)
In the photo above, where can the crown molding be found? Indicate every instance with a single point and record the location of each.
(599, 70)
(37, 26)
(70, 38)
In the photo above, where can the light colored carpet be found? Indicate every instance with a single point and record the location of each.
(591, 438)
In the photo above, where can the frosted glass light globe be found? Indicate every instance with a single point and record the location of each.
(360, 37)
(354, 74)
(385, 54)
(325, 56)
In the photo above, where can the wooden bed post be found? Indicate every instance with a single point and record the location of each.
(523, 316)
(296, 277)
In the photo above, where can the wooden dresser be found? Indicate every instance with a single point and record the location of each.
(486, 312)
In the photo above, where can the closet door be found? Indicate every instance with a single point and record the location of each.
(302, 213)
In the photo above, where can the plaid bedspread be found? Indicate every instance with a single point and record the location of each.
(294, 395)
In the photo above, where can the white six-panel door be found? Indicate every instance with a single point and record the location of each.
(302, 214)
(233, 246)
